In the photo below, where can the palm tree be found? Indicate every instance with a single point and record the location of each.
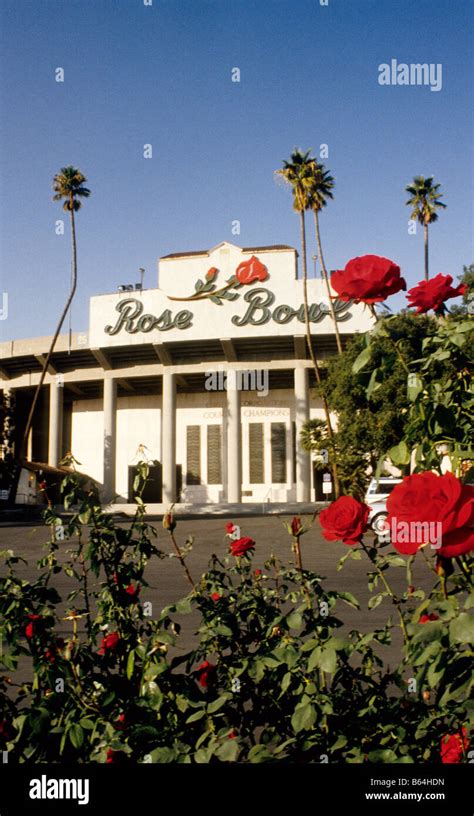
(68, 184)
(320, 192)
(424, 201)
(299, 173)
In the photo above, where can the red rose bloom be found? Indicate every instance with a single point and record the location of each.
(427, 618)
(296, 526)
(369, 279)
(230, 527)
(257, 573)
(115, 757)
(241, 546)
(133, 591)
(211, 273)
(30, 628)
(205, 673)
(215, 596)
(120, 722)
(7, 732)
(251, 270)
(453, 747)
(426, 497)
(344, 520)
(109, 643)
(432, 294)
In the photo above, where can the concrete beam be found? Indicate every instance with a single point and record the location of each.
(163, 354)
(101, 358)
(229, 350)
(42, 359)
(4, 375)
(125, 384)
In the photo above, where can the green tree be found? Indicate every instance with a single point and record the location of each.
(298, 172)
(68, 184)
(321, 190)
(424, 201)
(371, 410)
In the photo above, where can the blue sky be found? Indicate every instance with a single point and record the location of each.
(161, 74)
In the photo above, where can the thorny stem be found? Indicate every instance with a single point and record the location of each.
(181, 559)
(387, 586)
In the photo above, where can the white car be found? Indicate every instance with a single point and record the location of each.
(376, 497)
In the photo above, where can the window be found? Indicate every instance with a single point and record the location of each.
(278, 436)
(256, 453)
(214, 454)
(193, 455)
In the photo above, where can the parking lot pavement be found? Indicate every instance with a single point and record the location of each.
(168, 583)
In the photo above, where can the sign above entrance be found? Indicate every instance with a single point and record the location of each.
(224, 293)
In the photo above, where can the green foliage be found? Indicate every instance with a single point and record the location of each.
(272, 675)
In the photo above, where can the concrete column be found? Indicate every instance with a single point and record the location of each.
(168, 437)
(303, 461)
(110, 424)
(234, 442)
(56, 391)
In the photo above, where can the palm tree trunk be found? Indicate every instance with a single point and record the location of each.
(56, 334)
(425, 229)
(326, 279)
(310, 346)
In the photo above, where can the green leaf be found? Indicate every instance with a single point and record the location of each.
(228, 751)
(349, 598)
(361, 360)
(376, 600)
(184, 607)
(294, 620)
(328, 660)
(461, 629)
(399, 454)
(383, 755)
(130, 664)
(304, 717)
(198, 715)
(76, 735)
(414, 386)
(217, 704)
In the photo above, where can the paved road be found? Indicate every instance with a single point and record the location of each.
(168, 584)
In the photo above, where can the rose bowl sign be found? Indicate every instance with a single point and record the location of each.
(252, 298)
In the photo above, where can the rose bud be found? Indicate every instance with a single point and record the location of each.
(169, 522)
(296, 526)
(211, 273)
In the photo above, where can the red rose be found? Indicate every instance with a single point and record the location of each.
(120, 722)
(115, 757)
(241, 546)
(7, 732)
(215, 596)
(453, 747)
(50, 654)
(211, 273)
(232, 735)
(230, 527)
(133, 591)
(30, 628)
(109, 643)
(344, 520)
(257, 573)
(426, 497)
(427, 618)
(251, 270)
(296, 526)
(369, 279)
(205, 673)
(432, 294)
